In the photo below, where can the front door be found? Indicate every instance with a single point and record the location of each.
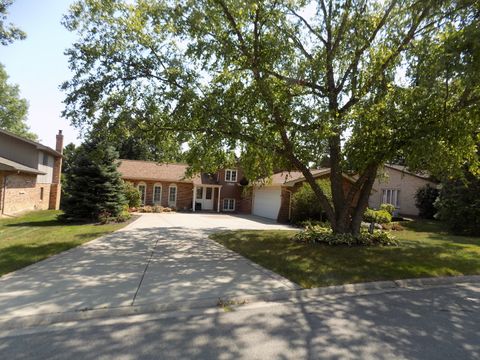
(207, 198)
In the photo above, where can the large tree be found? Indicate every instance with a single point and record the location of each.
(8, 32)
(13, 108)
(284, 82)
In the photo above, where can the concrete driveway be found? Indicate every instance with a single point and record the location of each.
(158, 259)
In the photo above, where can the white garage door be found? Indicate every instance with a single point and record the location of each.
(266, 202)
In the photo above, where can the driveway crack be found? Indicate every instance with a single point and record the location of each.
(144, 272)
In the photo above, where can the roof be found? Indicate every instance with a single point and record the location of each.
(289, 178)
(31, 142)
(150, 170)
(154, 171)
(403, 169)
(9, 165)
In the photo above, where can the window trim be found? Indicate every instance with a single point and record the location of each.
(170, 187)
(229, 200)
(231, 171)
(144, 200)
(157, 185)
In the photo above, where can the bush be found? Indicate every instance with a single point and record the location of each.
(310, 223)
(305, 205)
(388, 208)
(322, 235)
(377, 216)
(158, 209)
(132, 195)
(459, 205)
(424, 201)
(146, 209)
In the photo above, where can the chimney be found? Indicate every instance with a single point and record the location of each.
(56, 187)
(59, 143)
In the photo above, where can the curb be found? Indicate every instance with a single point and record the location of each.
(211, 303)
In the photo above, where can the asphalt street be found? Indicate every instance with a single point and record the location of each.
(441, 322)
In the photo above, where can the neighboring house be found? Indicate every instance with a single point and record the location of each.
(398, 187)
(29, 174)
(168, 185)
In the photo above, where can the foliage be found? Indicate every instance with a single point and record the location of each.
(13, 109)
(132, 195)
(8, 32)
(459, 205)
(425, 198)
(309, 223)
(305, 205)
(377, 216)
(93, 184)
(388, 208)
(322, 235)
(284, 82)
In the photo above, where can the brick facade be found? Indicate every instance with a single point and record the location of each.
(184, 193)
(21, 192)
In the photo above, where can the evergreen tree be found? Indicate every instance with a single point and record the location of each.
(93, 186)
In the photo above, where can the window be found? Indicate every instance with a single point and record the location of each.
(172, 195)
(45, 159)
(231, 175)
(41, 193)
(157, 194)
(199, 193)
(229, 204)
(142, 188)
(391, 196)
(208, 193)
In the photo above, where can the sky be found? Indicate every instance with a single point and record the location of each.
(38, 66)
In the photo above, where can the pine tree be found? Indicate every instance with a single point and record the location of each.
(94, 187)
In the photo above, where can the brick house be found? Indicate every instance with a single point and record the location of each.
(168, 185)
(224, 191)
(29, 174)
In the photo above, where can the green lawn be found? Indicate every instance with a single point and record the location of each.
(426, 250)
(38, 235)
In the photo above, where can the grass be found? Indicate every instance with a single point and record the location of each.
(38, 235)
(426, 250)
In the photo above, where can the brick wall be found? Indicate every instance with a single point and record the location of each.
(184, 193)
(23, 193)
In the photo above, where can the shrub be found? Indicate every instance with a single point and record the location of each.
(395, 226)
(424, 201)
(388, 208)
(158, 209)
(305, 205)
(322, 235)
(377, 216)
(132, 195)
(146, 209)
(459, 205)
(309, 223)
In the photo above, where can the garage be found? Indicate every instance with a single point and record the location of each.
(266, 202)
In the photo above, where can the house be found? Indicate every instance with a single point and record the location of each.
(225, 191)
(29, 174)
(168, 185)
(398, 187)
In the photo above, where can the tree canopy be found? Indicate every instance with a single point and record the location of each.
(13, 108)
(8, 32)
(283, 82)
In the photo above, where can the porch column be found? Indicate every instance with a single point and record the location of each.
(218, 200)
(194, 197)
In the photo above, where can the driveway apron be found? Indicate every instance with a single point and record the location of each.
(158, 259)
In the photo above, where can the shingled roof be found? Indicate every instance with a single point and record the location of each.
(154, 171)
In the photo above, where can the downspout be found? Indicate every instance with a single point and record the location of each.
(4, 193)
